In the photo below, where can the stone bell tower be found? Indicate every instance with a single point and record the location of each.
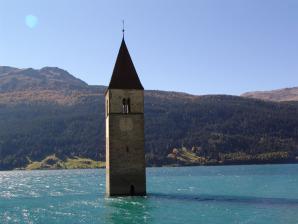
(125, 157)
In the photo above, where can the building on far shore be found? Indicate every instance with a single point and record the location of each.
(125, 156)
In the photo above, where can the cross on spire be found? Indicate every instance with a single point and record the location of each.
(123, 30)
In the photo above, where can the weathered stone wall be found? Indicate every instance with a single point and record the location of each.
(125, 158)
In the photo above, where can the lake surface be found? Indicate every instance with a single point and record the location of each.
(218, 194)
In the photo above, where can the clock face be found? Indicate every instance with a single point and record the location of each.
(126, 124)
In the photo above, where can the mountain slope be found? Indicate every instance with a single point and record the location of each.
(287, 94)
(69, 122)
(48, 78)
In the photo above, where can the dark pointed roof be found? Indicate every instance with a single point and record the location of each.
(124, 74)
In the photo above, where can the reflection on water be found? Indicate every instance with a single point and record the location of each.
(127, 210)
(226, 199)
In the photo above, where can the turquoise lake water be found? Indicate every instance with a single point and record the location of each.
(218, 194)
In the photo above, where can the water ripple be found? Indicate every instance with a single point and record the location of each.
(236, 194)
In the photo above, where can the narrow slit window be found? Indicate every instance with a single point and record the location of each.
(128, 105)
(123, 106)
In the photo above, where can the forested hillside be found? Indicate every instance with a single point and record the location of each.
(51, 112)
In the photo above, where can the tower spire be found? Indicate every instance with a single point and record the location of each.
(124, 74)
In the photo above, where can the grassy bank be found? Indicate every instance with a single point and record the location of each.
(53, 162)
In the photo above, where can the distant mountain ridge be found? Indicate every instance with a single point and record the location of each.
(286, 94)
(48, 84)
(56, 79)
(49, 78)
(49, 113)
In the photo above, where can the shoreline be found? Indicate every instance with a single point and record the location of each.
(163, 166)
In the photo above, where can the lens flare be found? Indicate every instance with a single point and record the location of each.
(31, 21)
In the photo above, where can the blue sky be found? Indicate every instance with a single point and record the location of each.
(198, 46)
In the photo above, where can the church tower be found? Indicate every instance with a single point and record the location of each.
(125, 156)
